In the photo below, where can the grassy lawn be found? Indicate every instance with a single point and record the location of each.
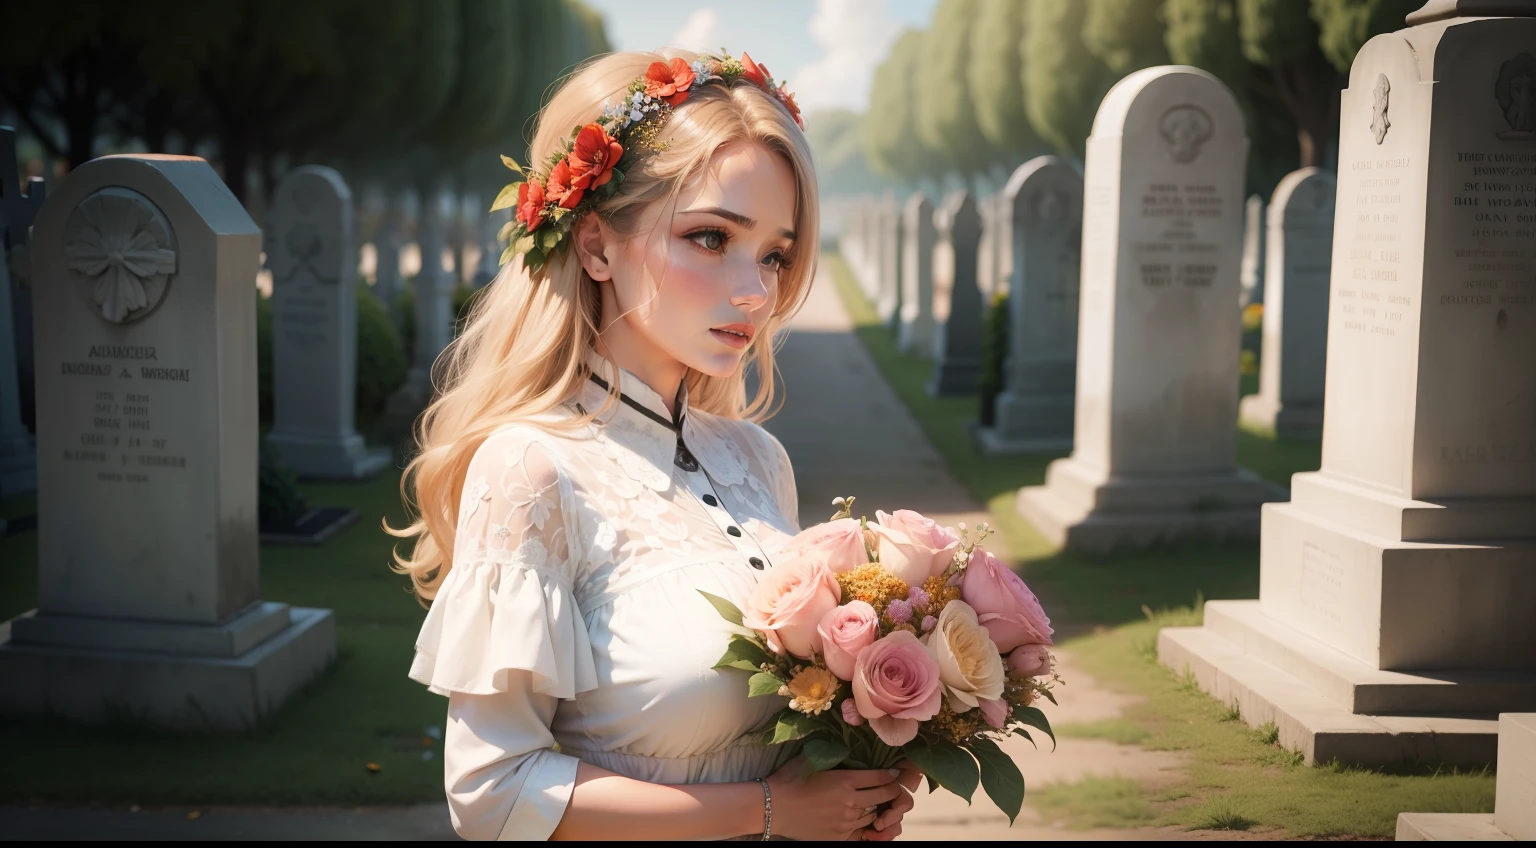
(314, 751)
(1238, 778)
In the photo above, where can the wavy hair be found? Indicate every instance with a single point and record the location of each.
(521, 350)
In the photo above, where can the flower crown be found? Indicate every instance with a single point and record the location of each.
(594, 160)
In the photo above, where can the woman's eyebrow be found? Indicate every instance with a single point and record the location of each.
(734, 217)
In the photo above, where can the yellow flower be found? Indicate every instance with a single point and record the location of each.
(871, 584)
(812, 690)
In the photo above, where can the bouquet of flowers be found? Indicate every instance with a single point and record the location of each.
(898, 639)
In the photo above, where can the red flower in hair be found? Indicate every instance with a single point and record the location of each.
(758, 74)
(561, 190)
(593, 157)
(530, 204)
(669, 81)
(788, 100)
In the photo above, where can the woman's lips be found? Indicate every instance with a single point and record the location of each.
(739, 342)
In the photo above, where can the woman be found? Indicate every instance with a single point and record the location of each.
(591, 465)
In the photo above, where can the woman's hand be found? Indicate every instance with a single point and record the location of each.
(829, 804)
(887, 825)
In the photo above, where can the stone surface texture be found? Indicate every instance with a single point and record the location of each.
(1155, 429)
(1251, 274)
(312, 251)
(915, 335)
(147, 461)
(1413, 549)
(888, 286)
(1514, 805)
(1044, 199)
(1289, 402)
(957, 306)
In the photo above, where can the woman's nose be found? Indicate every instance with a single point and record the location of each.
(750, 288)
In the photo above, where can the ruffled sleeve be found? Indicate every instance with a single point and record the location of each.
(507, 603)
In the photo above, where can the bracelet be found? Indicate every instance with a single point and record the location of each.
(767, 808)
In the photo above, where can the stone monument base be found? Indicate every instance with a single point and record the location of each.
(1081, 509)
(1285, 422)
(187, 677)
(1029, 425)
(339, 459)
(1514, 805)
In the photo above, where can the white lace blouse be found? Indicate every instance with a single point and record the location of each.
(572, 612)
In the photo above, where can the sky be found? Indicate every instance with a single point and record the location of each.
(827, 50)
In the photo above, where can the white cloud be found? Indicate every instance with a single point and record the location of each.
(855, 36)
(700, 33)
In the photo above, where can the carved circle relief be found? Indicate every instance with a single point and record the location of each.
(1186, 129)
(1515, 90)
(120, 251)
(1383, 100)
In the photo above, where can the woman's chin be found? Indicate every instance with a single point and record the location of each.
(718, 364)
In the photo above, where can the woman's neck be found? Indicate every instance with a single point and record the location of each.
(663, 374)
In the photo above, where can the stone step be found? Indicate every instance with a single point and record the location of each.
(1313, 723)
(1356, 686)
(1449, 827)
(1514, 809)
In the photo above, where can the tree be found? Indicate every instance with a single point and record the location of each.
(1127, 35)
(891, 142)
(1280, 39)
(947, 120)
(1063, 82)
(1205, 33)
(997, 79)
(1346, 25)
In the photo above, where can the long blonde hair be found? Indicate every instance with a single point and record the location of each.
(521, 351)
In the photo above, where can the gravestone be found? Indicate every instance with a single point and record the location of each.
(888, 300)
(1155, 426)
(915, 335)
(879, 247)
(1251, 274)
(312, 254)
(957, 309)
(148, 599)
(18, 454)
(1035, 408)
(387, 282)
(1004, 242)
(1399, 584)
(433, 313)
(1289, 402)
(986, 247)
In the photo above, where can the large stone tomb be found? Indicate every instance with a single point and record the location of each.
(1044, 204)
(1289, 402)
(915, 334)
(18, 454)
(149, 608)
(1155, 428)
(312, 254)
(1397, 596)
(957, 311)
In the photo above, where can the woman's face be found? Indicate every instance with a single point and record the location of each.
(700, 279)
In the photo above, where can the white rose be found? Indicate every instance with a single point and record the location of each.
(970, 666)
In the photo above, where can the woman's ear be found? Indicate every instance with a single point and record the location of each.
(591, 240)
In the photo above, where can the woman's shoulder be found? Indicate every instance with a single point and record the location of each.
(750, 435)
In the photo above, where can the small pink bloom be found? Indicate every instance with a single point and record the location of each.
(1004, 605)
(912, 546)
(788, 604)
(928, 623)
(851, 713)
(845, 631)
(895, 686)
(917, 597)
(900, 611)
(1030, 660)
(839, 545)
(995, 711)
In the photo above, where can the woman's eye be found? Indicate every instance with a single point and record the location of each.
(711, 240)
(776, 261)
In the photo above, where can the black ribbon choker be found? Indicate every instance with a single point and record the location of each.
(684, 458)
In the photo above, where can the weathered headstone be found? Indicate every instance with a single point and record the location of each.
(1399, 584)
(888, 300)
(18, 454)
(1289, 402)
(387, 282)
(957, 309)
(148, 601)
(1005, 242)
(1035, 408)
(312, 255)
(1251, 274)
(986, 247)
(880, 244)
(1155, 429)
(915, 335)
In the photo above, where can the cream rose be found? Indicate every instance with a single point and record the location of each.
(912, 546)
(970, 666)
(788, 604)
(839, 545)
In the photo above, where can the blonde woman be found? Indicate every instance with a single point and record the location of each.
(592, 463)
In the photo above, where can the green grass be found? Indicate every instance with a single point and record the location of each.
(313, 751)
(1238, 777)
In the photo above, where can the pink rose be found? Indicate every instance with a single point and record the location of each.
(839, 545)
(851, 713)
(912, 546)
(995, 711)
(1004, 605)
(788, 604)
(895, 686)
(844, 632)
(1030, 660)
